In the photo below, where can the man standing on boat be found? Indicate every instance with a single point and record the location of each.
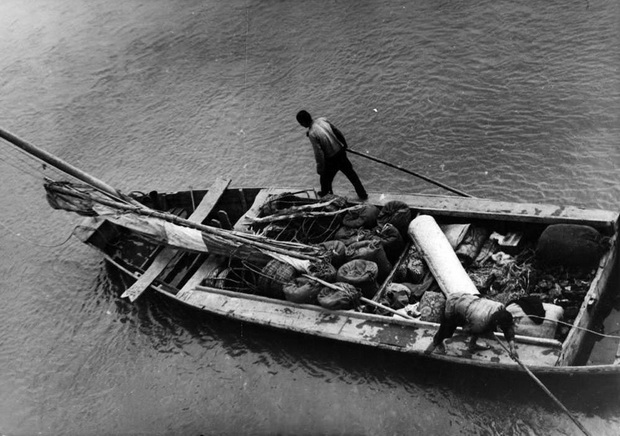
(478, 316)
(330, 153)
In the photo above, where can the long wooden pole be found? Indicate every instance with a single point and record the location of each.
(544, 388)
(59, 163)
(398, 167)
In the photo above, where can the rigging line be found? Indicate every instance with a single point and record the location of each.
(544, 388)
(570, 325)
(35, 161)
(35, 167)
(27, 169)
(36, 172)
(30, 241)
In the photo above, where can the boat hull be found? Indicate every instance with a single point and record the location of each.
(411, 337)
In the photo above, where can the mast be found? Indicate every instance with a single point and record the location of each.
(59, 163)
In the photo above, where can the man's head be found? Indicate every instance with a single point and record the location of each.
(304, 118)
(503, 319)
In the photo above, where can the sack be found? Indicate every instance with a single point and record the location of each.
(570, 245)
(416, 268)
(345, 298)
(397, 295)
(335, 251)
(396, 213)
(365, 216)
(391, 240)
(373, 251)
(428, 284)
(302, 290)
(470, 247)
(273, 277)
(323, 270)
(345, 233)
(432, 306)
(349, 235)
(360, 273)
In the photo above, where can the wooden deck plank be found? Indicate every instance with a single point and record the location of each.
(165, 256)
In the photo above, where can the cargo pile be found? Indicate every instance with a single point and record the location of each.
(368, 252)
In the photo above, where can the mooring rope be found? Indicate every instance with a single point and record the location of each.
(30, 241)
(543, 387)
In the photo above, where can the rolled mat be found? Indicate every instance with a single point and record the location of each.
(440, 256)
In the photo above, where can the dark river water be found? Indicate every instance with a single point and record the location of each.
(512, 100)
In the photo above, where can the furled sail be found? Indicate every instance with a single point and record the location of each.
(164, 229)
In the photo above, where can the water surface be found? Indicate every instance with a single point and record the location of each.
(513, 100)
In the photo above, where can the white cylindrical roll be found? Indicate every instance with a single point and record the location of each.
(440, 256)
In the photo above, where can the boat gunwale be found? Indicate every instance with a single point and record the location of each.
(527, 212)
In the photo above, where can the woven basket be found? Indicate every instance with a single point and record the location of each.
(273, 277)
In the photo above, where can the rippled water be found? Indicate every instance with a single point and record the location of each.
(501, 99)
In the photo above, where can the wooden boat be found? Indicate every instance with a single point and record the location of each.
(199, 279)
(217, 268)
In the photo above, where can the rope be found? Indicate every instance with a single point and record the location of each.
(570, 325)
(30, 241)
(544, 388)
(34, 171)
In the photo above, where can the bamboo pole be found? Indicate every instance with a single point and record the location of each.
(544, 388)
(390, 276)
(59, 164)
(363, 299)
(425, 178)
(302, 214)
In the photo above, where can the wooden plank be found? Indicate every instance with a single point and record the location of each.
(410, 336)
(159, 264)
(502, 210)
(212, 263)
(590, 306)
(209, 200)
(165, 256)
(245, 221)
